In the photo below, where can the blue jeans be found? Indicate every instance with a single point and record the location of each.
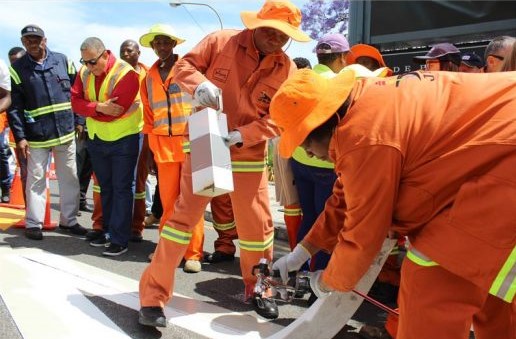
(314, 186)
(114, 164)
(6, 177)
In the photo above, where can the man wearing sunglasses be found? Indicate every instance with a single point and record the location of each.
(106, 93)
(496, 52)
(42, 122)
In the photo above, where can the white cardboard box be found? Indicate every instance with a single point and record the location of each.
(211, 159)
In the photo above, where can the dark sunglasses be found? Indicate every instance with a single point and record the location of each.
(91, 62)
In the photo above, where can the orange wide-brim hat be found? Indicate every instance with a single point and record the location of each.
(304, 102)
(363, 50)
(281, 15)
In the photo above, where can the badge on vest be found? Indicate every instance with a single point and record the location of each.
(174, 88)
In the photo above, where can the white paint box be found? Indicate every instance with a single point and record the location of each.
(211, 159)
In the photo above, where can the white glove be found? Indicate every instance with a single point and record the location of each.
(291, 262)
(315, 284)
(233, 138)
(206, 94)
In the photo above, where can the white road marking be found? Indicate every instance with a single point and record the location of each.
(44, 294)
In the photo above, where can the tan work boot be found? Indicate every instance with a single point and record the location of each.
(192, 266)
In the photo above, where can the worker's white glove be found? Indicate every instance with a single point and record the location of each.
(233, 138)
(291, 262)
(315, 284)
(206, 94)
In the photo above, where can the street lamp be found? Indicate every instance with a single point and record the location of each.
(178, 3)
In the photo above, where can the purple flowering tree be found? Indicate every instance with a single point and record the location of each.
(321, 17)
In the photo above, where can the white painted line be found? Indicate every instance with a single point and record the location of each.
(47, 304)
(68, 277)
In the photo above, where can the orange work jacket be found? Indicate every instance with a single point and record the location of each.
(166, 111)
(432, 157)
(229, 59)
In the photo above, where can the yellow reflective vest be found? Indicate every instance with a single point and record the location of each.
(131, 122)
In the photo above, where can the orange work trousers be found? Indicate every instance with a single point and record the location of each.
(142, 172)
(253, 222)
(292, 216)
(435, 303)
(224, 224)
(169, 175)
(96, 216)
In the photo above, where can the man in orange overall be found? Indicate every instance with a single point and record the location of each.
(430, 155)
(166, 110)
(248, 67)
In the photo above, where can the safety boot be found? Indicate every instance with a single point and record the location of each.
(152, 316)
(266, 307)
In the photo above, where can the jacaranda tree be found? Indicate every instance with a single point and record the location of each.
(321, 17)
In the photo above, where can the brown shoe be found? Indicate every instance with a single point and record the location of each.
(218, 256)
(151, 220)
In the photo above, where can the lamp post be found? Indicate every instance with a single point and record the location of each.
(178, 3)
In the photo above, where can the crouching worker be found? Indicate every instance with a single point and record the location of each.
(431, 156)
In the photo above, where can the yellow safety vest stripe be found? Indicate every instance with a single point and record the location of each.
(49, 109)
(292, 212)
(302, 157)
(186, 147)
(248, 166)
(139, 195)
(504, 285)
(14, 76)
(418, 258)
(256, 246)
(223, 227)
(53, 142)
(96, 188)
(174, 235)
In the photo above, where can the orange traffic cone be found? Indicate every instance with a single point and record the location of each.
(17, 200)
(48, 224)
(17, 197)
(52, 168)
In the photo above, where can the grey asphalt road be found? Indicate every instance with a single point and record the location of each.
(218, 284)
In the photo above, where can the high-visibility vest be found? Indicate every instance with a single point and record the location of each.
(131, 122)
(170, 106)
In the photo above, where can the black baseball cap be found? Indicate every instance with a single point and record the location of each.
(438, 51)
(472, 59)
(32, 30)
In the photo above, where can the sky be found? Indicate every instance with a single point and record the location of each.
(68, 22)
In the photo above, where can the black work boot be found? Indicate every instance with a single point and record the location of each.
(152, 316)
(266, 307)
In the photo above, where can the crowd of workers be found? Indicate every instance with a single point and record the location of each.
(426, 157)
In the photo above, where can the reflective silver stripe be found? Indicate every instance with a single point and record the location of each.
(158, 104)
(164, 121)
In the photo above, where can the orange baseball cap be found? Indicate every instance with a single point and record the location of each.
(363, 50)
(304, 102)
(281, 15)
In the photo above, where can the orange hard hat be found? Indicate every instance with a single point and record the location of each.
(363, 50)
(304, 102)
